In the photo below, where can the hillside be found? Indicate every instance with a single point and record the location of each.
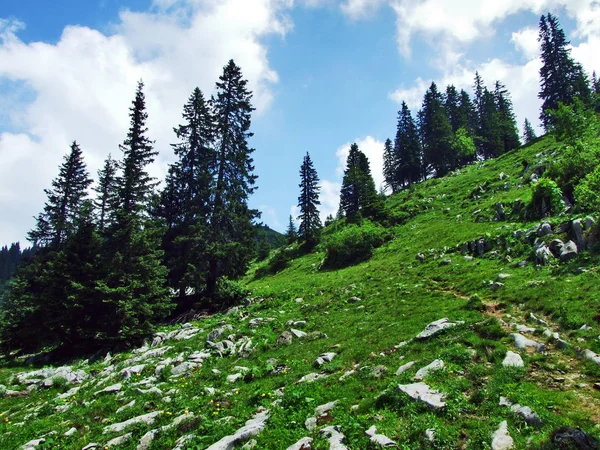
(327, 354)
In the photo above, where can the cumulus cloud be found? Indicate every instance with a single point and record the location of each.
(360, 9)
(83, 85)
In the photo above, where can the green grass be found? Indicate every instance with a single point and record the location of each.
(399, 297)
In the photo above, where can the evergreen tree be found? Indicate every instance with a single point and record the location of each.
(329, 220)
(467, 114)
(107, 200)
(133, 289)
(452, 106)
(407, 149)
(595, 88)
(506, 117)
(263, 248)
(528, 132)
(390, 167)
(308, 201)
(291, 234)
(231, 237)
(489, 139)
(358, 193)
(562, 78)
(436, 134)
(186, 199)
(56, 223)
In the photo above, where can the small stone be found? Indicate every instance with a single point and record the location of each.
(118, 440)
(312, 377)
(379, 439)
(513, 359)
(285, 338)
(353, 300)
(303, 444)
(501, 440)
(404, 368)
(325, 357)
(71, 431)
(111, 389)
(430, 434)
(379, 371)
(435, 327)
(422, 392)
(235, 377)
(297, 333)
(522, 342)
(438, 364)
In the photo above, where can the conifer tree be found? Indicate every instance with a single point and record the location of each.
(107, 199)
(390, 167)
(134, 289)
(528, 132)
(57, 222)
(291, 234)
(436, 134)
(467, 114)
(358, 193)
(308, 202)
(562, 78)
(489, 136)
(263, 248)
(186, 199)
(506, 117)
(407, 148)
(452, 106)
(231, 236)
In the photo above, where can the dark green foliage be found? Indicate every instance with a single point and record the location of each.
(506, 117)
(57, 223)
(358, 196)
(310, 223)
(263, 249)
(546, 198)
(107, 200)
(562, 79)
(353, 244)
(528, 132)
(229, 292)
(10, 259)
(291, 234)
(464, 147)
(407, 150)
(231, 234)
(489, 134)
(329, 220)
(278, 261)
(186, 200)
(436, 134)
(390, 167)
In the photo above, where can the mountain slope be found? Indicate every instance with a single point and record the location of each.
(366, 320)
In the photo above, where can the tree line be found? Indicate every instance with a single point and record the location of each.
(107, 265)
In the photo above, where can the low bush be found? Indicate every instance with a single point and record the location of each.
(229, 292)
(546, 198)
(354, 244)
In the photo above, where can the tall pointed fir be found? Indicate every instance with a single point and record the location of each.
(436, 134)
(231, 236)
(506, 117)
(528, 132)
(358, 195)
(291, 234)
(452, 106)
(186, 199)
(407, 148)
(107, 199)
(489, 139)
(390, 167)
(134, 289)
(562, 78)
(308, 202)
(56, 223)
(467, 114)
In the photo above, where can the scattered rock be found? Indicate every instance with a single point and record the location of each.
(420, 257)
(379, 439)
(182, 440)
(577, 229)
(501, 440)
(353, 300)
(254, 323)
(435, 327)
(524, 411)
(147, 419)
(31, 445)
(513, 359)
(522, 343)
(303, 444)
(285, 338)
(438, 364)
(71, 432)
(118, 440)
(334, 437)
(295, 323)
(111, 389)
(252, 428)
(591, 356)
(422, 392)
(182, 368)
(404, 368)
(545, 229)
(233, 378)
(218, 333)
(430, 434)
(91, 446)
(537, 320)
(297, 333)
(325, 357)
(379, 371)
(312, 377)
(570, 437)
(568, 252)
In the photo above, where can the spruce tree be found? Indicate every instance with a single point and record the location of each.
(467, 114)
(452, 106)
(56, 223)
(506, 117)
(562, 78)
(407, 148)
(186, 199)
(358, 195)
(308, 202)
(107, 200)
(489, 139)
(436, 134)
(263, 248)
(134, 288)
(528, 132)
(390, 167)
(291, 233)
(231, 235)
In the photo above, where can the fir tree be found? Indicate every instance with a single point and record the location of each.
(107, 199)
(358, 193)
(436, 134)
(489, 139)
(56, 223)
(562, 78)
(308, 202)
(231, 237)
(390, 167)
(407, 149)
(528, 132)
(291, 233)
(263, 248)
(452, 106)
(506, 117)
(467, 114)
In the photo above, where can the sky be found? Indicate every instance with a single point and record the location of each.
(324, 74)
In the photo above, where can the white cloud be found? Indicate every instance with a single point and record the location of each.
(526, 42)
(360, 9)
(329, 197)
(83, 86)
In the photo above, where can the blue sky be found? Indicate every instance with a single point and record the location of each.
(325, 73)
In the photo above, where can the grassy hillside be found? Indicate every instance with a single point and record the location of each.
(367, 316)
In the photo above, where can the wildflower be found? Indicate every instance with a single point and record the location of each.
(169, 413)
(186, 411)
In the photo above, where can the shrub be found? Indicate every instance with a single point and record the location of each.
(546, 198)
(353, 244)
(229, 292)
(475, 303)
(587, 193)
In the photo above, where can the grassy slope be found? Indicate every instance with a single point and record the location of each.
(399, 297)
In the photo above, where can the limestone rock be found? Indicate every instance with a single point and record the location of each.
(591, 356)
(404, 367)
(522, 343)
(234, 377)
(513, 359)
(577, 229)
(334, 437)
(379, 371)
(70, 432)
(182, 368)
(569, 251)
(325, 357)
(537, 320)
(379, 439)
(438, 364)
(285, 338)
(118, 440)
(147, 419)
(422, 392)
(147, 439)
(218, 332)
(124, 407)
(524, 411)
(312, 377)
(31, 445)
(179, 444)
(545, 229)
(303, 444)
(111, 389)
(501, 440)
(252, 428)
(297, 333)
(353, 300)
(435, 327)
